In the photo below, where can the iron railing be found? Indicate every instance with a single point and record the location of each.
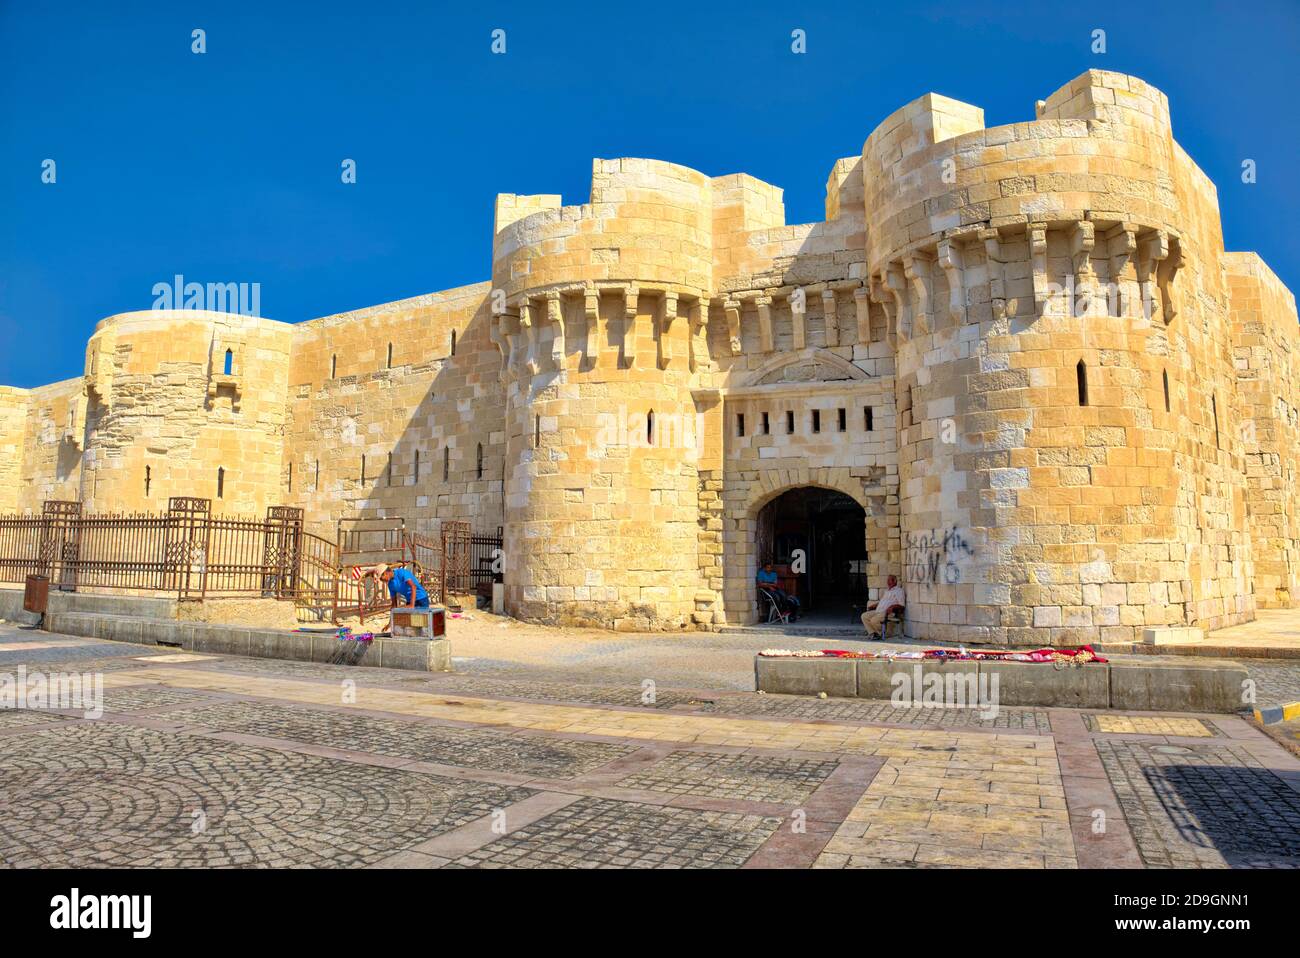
(192, 553)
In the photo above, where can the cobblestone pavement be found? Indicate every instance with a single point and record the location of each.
(1277, 681)
(597, 833)
(1203, 806)
(751, 777)
(211, 761)
(467, 748)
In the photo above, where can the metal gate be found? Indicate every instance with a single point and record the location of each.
(281, 551)
(455, 557)
(61, 542)
(188, 530)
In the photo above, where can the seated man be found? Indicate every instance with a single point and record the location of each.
(874, 618)
(767, 580)
(403, 584)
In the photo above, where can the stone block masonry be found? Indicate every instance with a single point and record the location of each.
(1064, 412)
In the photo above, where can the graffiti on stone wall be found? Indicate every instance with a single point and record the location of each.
(935, 557)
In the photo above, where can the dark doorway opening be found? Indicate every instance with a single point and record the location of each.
(816, 539)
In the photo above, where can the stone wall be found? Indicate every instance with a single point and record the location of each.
(384, 385)
(1266, 355)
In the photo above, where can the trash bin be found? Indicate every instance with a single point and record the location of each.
(36, 597)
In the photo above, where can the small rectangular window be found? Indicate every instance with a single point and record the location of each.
(767, 425)
(868, 418)
(816, 420)
(740, 424)
(843, 420)
(789, 421)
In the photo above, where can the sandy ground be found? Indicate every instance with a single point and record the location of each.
(485, 643)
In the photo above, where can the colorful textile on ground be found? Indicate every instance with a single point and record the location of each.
(1058, 657)
(345, 635)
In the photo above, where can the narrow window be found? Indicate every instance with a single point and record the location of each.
(316, 481)
(230, 363)
(453, 342)
(221, 482)
(537, 431)
(147, 480)
(1214, 408)
(417, 467)
(789, 420)
(1164, 374)
(1081, 373)
(446, 462)
(843, 420)
(767, 425)
(868, 418)
(740, 424)
(388, 471)
(390, 355)
(290, 478)
(363, 469)
(334, 367)
(650, 428)
(816, 420)
(478, 464)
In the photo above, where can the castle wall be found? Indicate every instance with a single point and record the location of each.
(418, 418)
(13, 447)
(1266, 351)
(52, 439)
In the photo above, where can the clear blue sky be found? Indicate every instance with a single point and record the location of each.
(225, 166)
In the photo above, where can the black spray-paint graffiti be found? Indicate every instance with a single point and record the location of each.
(934, 555)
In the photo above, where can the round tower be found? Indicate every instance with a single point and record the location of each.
(1068, 465)
(595, 306)
(185, 403)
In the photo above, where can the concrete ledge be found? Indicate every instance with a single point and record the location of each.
(139, 606)
(1039, 684)
(807, 676)
(419, 655)
(1176, 686)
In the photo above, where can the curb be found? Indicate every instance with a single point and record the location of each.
(1278, 713)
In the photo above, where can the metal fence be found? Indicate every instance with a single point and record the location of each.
(194, 554)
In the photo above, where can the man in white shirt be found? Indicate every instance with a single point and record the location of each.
(877, 611)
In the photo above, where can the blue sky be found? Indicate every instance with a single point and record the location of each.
(225, 166)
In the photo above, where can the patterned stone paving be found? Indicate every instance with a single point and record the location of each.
(284, 774)
(16, 718)
(601, 833)
(1277, 681)
(958, 807)
(1203, 806)
(747, 777)
(840, 710)
(149, 697)
(468, 748)
(1150, 725)
(101, 795)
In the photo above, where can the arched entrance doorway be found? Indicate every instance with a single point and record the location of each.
(816, 538)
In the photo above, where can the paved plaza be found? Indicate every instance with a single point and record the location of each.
(213, 761)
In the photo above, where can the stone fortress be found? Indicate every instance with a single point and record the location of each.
(1062, 411)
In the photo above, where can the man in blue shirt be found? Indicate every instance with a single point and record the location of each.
(403, 585)
(767, 579)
